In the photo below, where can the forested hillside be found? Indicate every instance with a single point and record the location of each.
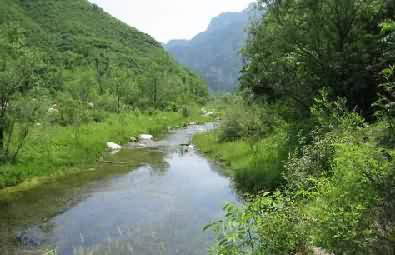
(215, 53)
(83, 44)
(311, 135)
(67, 65)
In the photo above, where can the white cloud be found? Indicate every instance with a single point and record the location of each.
(170, 19)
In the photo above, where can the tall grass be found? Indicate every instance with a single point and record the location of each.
(254, 164)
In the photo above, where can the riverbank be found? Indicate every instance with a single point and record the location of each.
(53, 151)
(254, 165)
(161, 190)
(328, 186)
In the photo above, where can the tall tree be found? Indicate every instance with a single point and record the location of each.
(17, 78)
(300, 47)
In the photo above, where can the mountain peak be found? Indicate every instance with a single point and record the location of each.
(215, 53)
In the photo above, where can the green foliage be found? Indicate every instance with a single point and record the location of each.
(65, 69)
(256, 164)
(266, 225)
(386, 104)
(244, 120)
(300, 47)
(336, 214)
(53, 150)
(337, 195)
(330, 115)
(70, 63)
(91, 54)
(386, 101)
(19, 84)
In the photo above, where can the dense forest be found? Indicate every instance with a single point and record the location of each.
(68, 63)
(310, 137)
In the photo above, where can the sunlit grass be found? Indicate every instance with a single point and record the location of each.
(254, 165)
(56, 150)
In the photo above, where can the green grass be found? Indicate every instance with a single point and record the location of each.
(56, 151)
(255, 165)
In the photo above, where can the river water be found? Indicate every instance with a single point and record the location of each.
(159, 207)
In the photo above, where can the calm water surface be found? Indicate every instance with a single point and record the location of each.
(158, 208)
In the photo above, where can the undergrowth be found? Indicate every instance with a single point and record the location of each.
(327, 188)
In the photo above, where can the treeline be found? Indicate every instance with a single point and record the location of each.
(301, 47)
(69, 62)
(311, 136)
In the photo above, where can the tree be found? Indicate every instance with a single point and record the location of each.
(18, 80)
(102, 64)
(299, 47)
(121, 85)
(386, 102)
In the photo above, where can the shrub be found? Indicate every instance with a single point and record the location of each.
(242, 120)
(338, 195)
(186, 112)
(386, 105)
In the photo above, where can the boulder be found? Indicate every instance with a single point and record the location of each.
(53, 110)
(33, 237)
(143, 137)
(113, 146)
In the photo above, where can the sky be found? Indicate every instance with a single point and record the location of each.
(169, 19)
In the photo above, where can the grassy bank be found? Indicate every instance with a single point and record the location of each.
(56, 150)
(255, 164)
(320, 183)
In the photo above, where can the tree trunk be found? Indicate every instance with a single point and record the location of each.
(1, 140)
(119, 104)
(155, 92)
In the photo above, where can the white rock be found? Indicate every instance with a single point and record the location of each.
(53, 110)
(113, 146)
(208, 114)
(192, 123)
(145, 137)
(91, 105)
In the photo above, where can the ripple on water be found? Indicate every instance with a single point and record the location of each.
(158, 208)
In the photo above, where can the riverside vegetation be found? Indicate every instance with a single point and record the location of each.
(310, 138)
(72, 78)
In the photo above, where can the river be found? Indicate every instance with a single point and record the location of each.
(158, 207)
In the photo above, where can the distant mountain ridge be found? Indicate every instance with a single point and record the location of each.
(215, 53)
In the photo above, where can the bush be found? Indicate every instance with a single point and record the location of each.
(338, 194)
(386, 106)
(242, 120)
(186, 112)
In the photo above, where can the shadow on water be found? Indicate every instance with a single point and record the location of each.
(155, 201)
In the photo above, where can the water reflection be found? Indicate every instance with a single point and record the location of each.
(159, 208)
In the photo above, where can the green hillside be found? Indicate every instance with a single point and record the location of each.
(80, 38)
(71, 76)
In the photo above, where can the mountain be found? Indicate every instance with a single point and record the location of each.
(80, 38)
(215, 53)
